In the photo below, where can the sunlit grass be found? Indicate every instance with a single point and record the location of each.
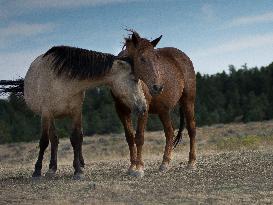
(243, 142)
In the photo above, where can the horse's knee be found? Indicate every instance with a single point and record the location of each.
(192, 133)
(191, 129)
(44, 141)
(76, 138)
(139, 139)
(169, 132)
(130, 139)
(54, 140)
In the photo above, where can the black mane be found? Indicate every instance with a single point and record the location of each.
(77, 63)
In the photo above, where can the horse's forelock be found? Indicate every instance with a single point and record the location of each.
(128, 39)
(143, 43)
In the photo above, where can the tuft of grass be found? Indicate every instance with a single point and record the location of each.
(243, 142)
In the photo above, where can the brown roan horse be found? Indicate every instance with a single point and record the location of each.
(169, 79)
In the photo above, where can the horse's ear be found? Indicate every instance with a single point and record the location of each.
(134, 39)
(155, 41)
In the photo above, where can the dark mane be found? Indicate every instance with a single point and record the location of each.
(77, 63)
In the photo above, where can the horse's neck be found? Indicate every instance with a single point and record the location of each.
(95, 82)
(90, 83)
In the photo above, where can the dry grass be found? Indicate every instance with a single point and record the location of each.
(234, 166)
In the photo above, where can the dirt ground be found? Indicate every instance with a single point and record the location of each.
(228, 171)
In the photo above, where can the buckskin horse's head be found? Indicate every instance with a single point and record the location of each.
(145, 61)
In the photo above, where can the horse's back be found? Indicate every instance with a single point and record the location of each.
(180, 60)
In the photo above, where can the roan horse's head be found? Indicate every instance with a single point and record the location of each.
(127, 88)
(145, 61)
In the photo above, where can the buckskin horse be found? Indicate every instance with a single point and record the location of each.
(55, 85)
(169, 79)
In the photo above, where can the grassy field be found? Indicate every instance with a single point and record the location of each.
(234, 166)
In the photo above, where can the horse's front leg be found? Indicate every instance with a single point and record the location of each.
(76, 140)
(139, 140)
(82, 163)
(169, 133)
(124, 114)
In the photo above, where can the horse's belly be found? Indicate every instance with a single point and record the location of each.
(60, 109)
(55, 103)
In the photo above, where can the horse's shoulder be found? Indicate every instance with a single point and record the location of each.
(178, 58)
(172, 53)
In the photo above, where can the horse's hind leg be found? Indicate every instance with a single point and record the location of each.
(76, 142)
(188, 106)
(124, 114)
(44, 141)
(54, 141)
(82, 163)
(169, 133)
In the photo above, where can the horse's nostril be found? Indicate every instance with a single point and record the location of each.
(140, 110)
(157, 88)
(160, 88)
(144, 110)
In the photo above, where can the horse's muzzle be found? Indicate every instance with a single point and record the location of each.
(140, 110)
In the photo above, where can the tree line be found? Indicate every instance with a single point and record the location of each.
(239, 95)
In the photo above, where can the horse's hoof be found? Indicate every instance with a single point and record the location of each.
(36, 175)
(163, 168)
(131, 170)
(78, 176)
(191, 166)
(138, 173)
(50, 173)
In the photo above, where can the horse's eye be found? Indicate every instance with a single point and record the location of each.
(142, 59)
(134, 77)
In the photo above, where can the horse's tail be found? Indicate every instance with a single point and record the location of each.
(178, 137)
(12, 86)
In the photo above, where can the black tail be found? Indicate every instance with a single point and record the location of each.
(178, 137)
(12, 86)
